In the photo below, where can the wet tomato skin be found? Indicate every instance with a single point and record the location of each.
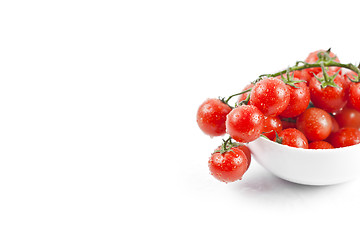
(354, 95)
(347, 82)
(245, 149)
(247, 152)
(271, 96)
(245, 123)
(293, 138)
(272, 125)
(299, 100)
(345, 137)
(335, 126)
(304, 75)
(211, 117)
(348, 117)
(229, 166)
(330, 99)
(320, 145)
(315, 123)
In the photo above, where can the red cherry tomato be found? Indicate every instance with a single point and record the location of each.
(272, 125)
(320, 145)
(211, 117)
(303, 75)
(293, 138)
(345, 137)
(329, 98)
(313, 58)
(245, 123)
(299, 100)
(242, 147)
(348, 117)
(347, 76)
(243, 97)
(271, 96)
(354, 95)
(228, 166)
(347, 82)
(315, 123)
(335, 126)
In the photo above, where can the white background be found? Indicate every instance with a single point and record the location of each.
(98, 138)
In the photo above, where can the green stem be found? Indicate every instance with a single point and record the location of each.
(226, 142)
(305, 65)
(246, 101)
(324, 72)
(236, 94)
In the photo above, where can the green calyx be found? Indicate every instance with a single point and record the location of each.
(290, 80)
(222, 99)
(327, 80)
(227, 146)
(324, 56)
(277, 138)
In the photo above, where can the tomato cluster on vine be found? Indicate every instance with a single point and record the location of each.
(315, 104)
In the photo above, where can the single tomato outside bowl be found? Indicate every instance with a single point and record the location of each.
(307, 166)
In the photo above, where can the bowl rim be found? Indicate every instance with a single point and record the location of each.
(308, 149)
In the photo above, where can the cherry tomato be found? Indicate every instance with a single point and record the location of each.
(347, 76)
(271, 125)
(293, 138)
(241, 146)
(329, 98)
(320, 145)
(315, 123)
(243, 97)
(271, 96)
(211, 117)
(335, 126)
(354, 95)
(345, 137)
(299, 100)
(348, 117)
(347, 82)
(303, 75)
(245, 123)
(228, 166)
(313, 58)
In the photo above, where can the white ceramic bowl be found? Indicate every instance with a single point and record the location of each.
(307, 166)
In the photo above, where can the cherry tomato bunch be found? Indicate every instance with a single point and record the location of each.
(314, 104)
